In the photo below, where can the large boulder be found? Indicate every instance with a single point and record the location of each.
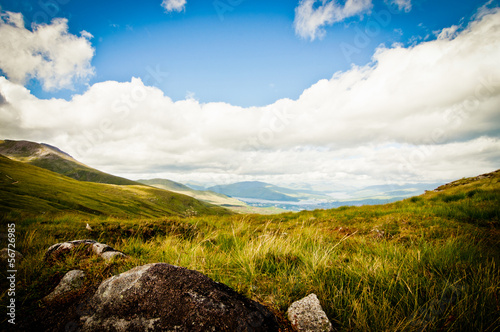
(163, 297)
(88, 246)
(73, 280)
(307, 315)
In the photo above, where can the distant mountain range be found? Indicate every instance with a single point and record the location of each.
(243, 197)
(261, 194)
(256, 189)
(208, 196)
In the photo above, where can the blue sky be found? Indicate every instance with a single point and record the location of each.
(246, 54)
(320, 94)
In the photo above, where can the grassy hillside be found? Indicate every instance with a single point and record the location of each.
(166, 184)
(55, 160)
(29, 189)
(428, 263)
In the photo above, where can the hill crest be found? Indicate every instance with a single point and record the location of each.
(34, 190)
(53, 159)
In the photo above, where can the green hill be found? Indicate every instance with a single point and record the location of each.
(55, 160)
(166, 184)
(209, 196)
(31, 189)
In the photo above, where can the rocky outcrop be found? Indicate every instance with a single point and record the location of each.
(163, 297)
(87, 246)
(306, 315)
(73, 280)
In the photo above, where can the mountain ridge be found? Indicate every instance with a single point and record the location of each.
(30, 189)
(53, 159)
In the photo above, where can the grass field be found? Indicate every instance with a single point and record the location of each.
(428, 263)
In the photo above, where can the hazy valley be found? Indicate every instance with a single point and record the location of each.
(427, 262)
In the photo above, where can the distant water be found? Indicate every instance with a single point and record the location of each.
(315, 204)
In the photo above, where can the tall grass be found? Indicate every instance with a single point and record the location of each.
(423, 264)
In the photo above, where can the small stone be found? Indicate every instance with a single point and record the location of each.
(71, 281)
(306, 315)
(109, 255)
(100, 248)
(59, 249)
(91, 246)
(5, 255)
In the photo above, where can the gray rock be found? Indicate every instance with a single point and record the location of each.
(109, 255)
(73, 280)
(100, 248)
(88, 246)
(163, 297)
(4, 256)
(307, 315)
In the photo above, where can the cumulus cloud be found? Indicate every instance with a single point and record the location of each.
(173, 5)
(403, 5)
(310, 19)
(422, 113)
(47, 52)
(2, 99)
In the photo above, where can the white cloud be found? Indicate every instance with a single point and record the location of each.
(173, 5)
(448, 33)
(404, 5)
(429, 112)
(47, 53)
(310, 19)
(86, 34)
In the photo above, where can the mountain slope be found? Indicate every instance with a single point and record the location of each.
(55, 160)
(166, 184)
(30, 189)
(208, 196)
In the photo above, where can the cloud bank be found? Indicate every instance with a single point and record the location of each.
(310, 19)
(173, 5)
(47, 52)
(429, 112)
